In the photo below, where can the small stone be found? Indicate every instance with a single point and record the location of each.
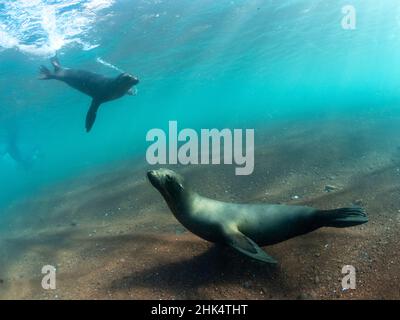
(330, 188)
(303, 296)
(358, 202)
(264, 290)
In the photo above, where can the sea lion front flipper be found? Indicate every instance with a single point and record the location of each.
(91, 115)
(245, 245)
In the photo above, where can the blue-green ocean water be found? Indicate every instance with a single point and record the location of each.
(205, 63)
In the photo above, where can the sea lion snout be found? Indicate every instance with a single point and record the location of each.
(152, 176)
(157, 180)
(132, 80)
(157, 176)
(165, 180)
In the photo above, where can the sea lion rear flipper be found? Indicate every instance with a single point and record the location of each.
(56, 64)
(91, 115)
(45, 74)
(245, 245)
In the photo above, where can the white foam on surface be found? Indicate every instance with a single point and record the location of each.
(41, 27)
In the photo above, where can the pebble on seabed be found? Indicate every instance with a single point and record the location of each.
(330, 188)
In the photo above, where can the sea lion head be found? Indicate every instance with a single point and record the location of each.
(169, 183)
(125, 81)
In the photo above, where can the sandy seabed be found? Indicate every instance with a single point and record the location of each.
(111, 235)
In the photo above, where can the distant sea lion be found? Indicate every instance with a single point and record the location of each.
(13, 148)
(100, 88)
(245, 227)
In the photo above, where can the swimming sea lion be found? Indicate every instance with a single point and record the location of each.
(245, 227)
(13, 147)
(100, 88)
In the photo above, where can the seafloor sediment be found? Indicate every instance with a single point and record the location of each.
(111, 236)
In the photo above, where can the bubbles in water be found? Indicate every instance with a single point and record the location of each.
(41, 27)
(107, 64)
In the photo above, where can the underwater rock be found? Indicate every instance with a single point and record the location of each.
(264, 290)
(304, 296)
(1, 281)
(330, 188)
(358, 202)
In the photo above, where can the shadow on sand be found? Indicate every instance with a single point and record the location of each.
(214, 267)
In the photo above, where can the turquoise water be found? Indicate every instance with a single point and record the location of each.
(204, 63)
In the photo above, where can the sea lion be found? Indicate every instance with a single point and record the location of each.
(245, 227)
(100, 88)
(23, 157)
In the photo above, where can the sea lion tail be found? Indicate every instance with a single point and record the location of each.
(45, 74)
(343, 217)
